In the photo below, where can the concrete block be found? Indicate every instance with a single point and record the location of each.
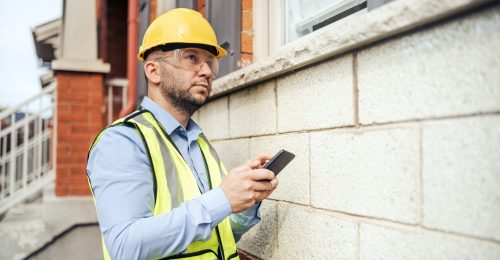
(214, 118)
(252, 111)
(261, 240)
(18, 238)
(378, 242)
(294, 179)
(196, 117)
(450, 69)
(26, 228)
(317, 97)
(303, 234)
(62, 212)
(461, 176)
(80, 243)
(370, 173)
(233, 152)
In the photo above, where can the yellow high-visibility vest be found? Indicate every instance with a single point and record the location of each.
(174, 183)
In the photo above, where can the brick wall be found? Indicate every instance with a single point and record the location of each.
(246, 33)
(246, 57)
(396, 143)
(153, 6)
(79, 107)
(201, 7)
(114, 42)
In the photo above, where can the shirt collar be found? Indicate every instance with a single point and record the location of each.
(168, 121)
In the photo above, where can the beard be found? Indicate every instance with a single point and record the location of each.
(173, 89)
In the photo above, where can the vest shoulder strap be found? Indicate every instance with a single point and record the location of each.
(125, 121)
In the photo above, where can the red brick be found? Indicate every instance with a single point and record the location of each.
(63, 128)
(63, 149)
(63, 106)
(246, 4)
(61, 191)
(74, 139)
(72, 97)
(80, 150)
(72, 159)
(80, 101)
(79, 171)
(73, 181)
(71, 117)
(246, 21)
(89, 129)
(114, 36)
(62, 170)
(152, 10)
(246, 42)
(246, 59)
(79, 190)
(95, 99)
(201, 3)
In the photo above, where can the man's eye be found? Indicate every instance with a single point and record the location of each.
(192, 57)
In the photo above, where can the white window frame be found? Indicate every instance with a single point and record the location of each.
(269, 20)
(332, 10)
(268, 24)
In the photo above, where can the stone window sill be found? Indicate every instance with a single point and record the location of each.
(343, 36)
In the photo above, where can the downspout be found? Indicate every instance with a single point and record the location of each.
(131, 57)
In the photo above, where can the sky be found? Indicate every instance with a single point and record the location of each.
(19, 66)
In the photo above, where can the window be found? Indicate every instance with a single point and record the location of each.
(305, 16)
(278, 22)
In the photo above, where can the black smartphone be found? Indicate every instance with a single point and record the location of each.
(279, 161)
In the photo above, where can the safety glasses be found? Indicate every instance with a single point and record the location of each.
(192, 59)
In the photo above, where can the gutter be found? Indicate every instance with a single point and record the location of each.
(131, 57)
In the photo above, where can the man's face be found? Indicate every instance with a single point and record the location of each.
(186, 89)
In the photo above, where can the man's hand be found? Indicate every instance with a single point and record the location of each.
(249, 183)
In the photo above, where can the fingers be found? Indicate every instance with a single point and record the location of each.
(274, 183)
(261, 175)
(263, 194)
(259, 161)
(241, 168)
(262, 186)
(262, 158)
(253, 164)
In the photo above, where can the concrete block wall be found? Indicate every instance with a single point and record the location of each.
(397, 147)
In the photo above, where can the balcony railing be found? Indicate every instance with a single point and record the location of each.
(116, 97)
(27, 147)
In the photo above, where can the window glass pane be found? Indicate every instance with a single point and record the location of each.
(305, 16)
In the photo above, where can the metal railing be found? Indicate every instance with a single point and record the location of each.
(116, 96)
(27, 148)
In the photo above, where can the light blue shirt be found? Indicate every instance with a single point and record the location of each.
(122, 183)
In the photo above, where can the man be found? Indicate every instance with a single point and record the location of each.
(159, 187)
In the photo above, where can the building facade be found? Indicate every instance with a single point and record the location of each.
(391, 107)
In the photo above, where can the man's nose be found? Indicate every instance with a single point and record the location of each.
(205, 70)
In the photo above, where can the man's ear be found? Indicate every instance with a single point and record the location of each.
(152, 72)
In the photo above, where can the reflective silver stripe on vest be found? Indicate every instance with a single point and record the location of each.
(214, 154)
(173, 181)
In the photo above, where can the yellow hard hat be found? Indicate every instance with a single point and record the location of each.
(180, 26)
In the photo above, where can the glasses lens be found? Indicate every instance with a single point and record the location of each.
(194, 59)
